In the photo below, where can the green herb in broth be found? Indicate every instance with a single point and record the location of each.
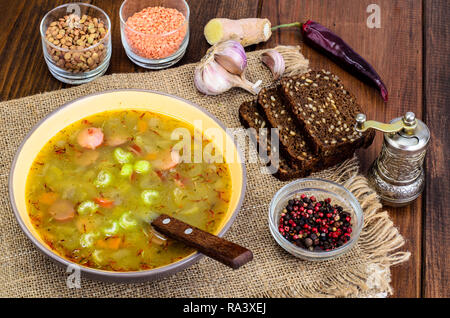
(96, 185)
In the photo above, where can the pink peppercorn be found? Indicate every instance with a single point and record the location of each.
(315, 225)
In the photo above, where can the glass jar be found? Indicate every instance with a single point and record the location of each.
(76, 40)
(321, 189)
(150, 47)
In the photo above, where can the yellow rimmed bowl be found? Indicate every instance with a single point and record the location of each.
(115, 100)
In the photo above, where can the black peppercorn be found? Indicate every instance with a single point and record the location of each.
(308, 242)
(315, 225)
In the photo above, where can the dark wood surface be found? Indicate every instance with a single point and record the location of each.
(410, 51)
(436, 259)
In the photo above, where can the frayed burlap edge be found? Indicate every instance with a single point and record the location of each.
(379, 237)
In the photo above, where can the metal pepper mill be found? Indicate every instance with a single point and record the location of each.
(397, 174)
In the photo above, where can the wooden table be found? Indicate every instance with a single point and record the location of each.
(410, 51)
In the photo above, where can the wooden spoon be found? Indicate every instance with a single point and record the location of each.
(217, 248)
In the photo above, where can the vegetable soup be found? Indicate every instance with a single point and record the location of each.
(95, 187)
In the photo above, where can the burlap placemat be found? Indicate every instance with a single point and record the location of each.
(362, 272)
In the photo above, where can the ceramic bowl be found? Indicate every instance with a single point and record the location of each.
(112, 101)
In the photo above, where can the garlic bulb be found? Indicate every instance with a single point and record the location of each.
(222, 68)
(274, 61)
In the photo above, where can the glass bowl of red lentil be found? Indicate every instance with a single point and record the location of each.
(321, 190)
(76, 40)
(155, 33)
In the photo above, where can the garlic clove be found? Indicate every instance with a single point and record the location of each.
(275, 62)
(215, 78)
(199, 83)
(223, 80)
(231, 56)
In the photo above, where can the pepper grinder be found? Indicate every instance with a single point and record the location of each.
(397, 174)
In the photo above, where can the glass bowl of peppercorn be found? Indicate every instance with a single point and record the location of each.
(315, 219)
(76, 40)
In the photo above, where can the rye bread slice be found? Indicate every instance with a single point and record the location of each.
(326, 111)
(251, 117)
(294, 143)
(291, 136)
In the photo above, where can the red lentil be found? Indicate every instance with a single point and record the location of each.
(152, 25)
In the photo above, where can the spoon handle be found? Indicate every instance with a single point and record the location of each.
(221, 250)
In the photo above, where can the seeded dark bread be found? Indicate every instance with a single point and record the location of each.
(326, 112)
(279, 116)
(251, 117)
(292, 138)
